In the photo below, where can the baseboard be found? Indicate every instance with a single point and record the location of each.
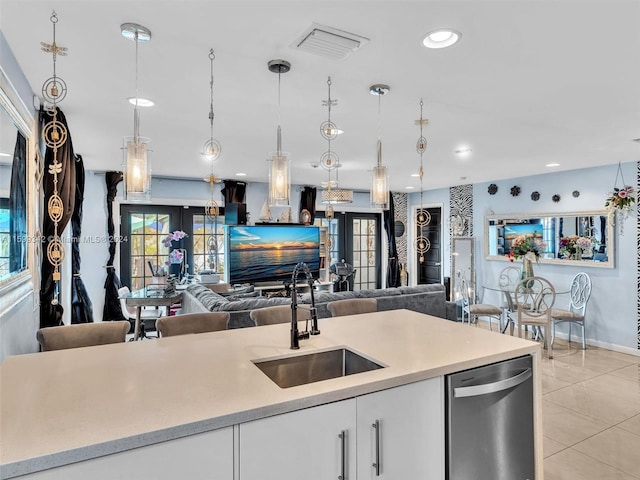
(595, 343)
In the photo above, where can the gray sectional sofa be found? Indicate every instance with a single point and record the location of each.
(429, 299)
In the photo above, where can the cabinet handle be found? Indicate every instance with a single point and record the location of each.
(376, 464)
(343, 454)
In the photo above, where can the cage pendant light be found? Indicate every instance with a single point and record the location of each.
(137, 165)
(380, 176)
(279, 168)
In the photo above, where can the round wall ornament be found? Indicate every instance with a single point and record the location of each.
(535, 196)
(515, 191)
(493, 189)
(575, 194)
(555, 198)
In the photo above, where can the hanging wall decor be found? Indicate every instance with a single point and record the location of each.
(54, 134)
(535, 196)
(493, 189)
(515, 191)
(555, 198)
(620, 201)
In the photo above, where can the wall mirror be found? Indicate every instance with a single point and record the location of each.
(15, 145)
(584, 239)
(462, 260)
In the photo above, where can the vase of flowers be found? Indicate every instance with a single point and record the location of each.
(529, 248)
(620, 203)
(574, 246)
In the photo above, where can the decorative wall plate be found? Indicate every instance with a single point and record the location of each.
(493, 189)
(575, 194)
(515, 191)
(535, 196)
(555, 198)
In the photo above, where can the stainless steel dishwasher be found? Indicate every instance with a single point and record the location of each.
(490, 422)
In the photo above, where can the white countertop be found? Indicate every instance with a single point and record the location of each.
(64, 406)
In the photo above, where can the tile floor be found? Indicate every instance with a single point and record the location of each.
(591, 414)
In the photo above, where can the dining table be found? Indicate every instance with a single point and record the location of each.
(150, 297)
(507, 290)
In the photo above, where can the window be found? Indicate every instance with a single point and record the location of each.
(5, 235)
(208, 243)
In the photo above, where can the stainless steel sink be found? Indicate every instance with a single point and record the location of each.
(302, 369)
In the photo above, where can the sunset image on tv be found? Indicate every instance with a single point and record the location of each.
(270, 253)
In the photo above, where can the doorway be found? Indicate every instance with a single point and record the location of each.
(428, 243)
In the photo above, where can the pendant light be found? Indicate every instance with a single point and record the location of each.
(279, 168)
(330, 161)
(137, 166)
(380, 176)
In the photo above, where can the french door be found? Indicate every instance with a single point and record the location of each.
(356, 238)
(145, 227)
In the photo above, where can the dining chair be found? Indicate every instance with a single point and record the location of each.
(147, 316)
(534, 298)
(352, 306)
(276, 314)
(82, 335)
(192, 323)
(507, 280)
(580, 294)
(472, 311)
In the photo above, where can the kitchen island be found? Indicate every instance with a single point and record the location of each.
(161, 401)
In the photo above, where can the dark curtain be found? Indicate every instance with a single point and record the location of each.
(112, 309)
(51, 310)
(18, 207)
(603, 236)
(233, 191)
(81, 307)
(308, 201)
(393, 269)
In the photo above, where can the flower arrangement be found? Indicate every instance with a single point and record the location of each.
(527, 246)
(620, 201)
(177, 254)
(174, 236)
(573, 244)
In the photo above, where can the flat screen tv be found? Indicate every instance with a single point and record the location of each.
(268, 253)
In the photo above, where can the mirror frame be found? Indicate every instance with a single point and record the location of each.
(471, 281)
(610, 263)
(17, 286)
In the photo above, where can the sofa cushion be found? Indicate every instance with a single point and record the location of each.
(251, 304)
(431, 287)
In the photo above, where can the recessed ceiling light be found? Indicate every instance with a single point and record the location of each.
(552, 165)
(142, 102)
(441, 38)
(409, 187)
(415, 174)
(463, 151)
(241, 174)
(636, 140)
(5, 154)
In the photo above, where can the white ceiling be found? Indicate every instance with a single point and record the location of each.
(530, 83)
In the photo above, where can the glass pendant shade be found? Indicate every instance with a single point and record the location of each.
(380, 186)
(137, 178)
(279, 184)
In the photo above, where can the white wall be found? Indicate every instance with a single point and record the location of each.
(611, 314)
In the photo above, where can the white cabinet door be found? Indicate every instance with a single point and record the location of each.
(300, 445)
(205, 456)
(411, 432)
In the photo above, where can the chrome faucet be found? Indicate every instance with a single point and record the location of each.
(295, 335)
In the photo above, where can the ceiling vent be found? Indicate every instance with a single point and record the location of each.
(329, 42)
